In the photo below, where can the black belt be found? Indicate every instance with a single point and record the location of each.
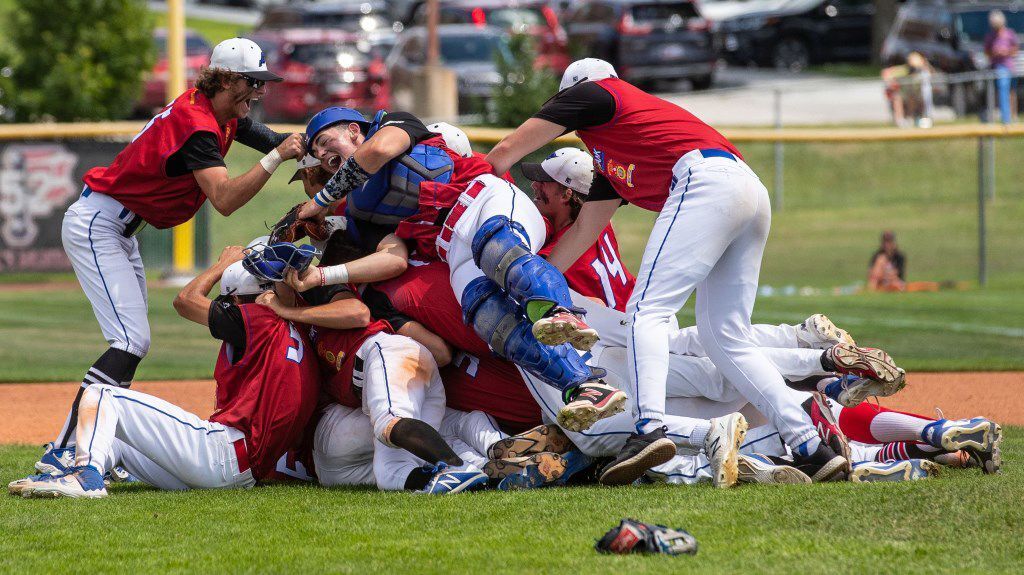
(132, 226)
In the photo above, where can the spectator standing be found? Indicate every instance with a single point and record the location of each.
(909, 90)
(1001, 47)
(888, 266)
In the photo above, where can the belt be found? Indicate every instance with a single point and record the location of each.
(242, 454)
(444, 239)
(133, 223)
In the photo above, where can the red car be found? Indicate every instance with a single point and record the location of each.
(535, 18)
(323, 67)
(154, 91)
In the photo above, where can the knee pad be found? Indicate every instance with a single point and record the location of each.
(114, 367)
(502, 253)
(501, 323)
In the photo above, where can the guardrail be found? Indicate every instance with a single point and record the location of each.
(983, 133)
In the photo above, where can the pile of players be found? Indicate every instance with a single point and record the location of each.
(445, 332)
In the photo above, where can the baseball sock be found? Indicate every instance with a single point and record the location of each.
(808, 447)
(869, 423)
(115, 367)
(423, 441)
(901, 450)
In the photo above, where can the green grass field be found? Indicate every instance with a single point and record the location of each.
(959, 522)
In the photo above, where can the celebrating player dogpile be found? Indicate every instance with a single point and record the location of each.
(444, 332)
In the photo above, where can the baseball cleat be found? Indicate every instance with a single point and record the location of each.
(79, 483)
(980, 438)
(818, 332)
(904, 470)
(722, 446)
(823, 465)
(550, 466)
(118, 474)
(589, 403)
(561, 326)
(640, 453)
(824, 420)
(757, 468)
(851, 390)
(540, 439)
(18, 486)
(447, 480)
(56, 460)
(867, 362)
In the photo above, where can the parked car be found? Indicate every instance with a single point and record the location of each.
(348, 15)
(800, 33)
(467, 49)
(154, 87)
(532, 17)
(951, 35)
(646, 40)
(323, 67)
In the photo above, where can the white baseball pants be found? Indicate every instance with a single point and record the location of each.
(498, 198)
(109, 267)
(709, 237)
(156, 441)
(691, 469)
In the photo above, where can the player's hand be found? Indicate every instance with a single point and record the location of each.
(312, 211)
(269, 299)
(292, 147)
(309, 279)
(230, 255)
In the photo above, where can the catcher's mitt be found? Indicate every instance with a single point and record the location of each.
(632, 536)
(290, 228)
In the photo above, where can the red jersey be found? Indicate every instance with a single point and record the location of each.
(476, 379)
(637, 149)
(271, 392)
(336, 352)
(423, 227)
(138, 177)
(599, 271)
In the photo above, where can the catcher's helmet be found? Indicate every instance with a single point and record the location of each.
(272, 262)
(328, 117)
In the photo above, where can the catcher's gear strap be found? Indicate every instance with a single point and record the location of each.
(349, 177)
(500, 322)
(632, 536)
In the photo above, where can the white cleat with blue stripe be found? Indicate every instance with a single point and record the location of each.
(81, 483)
(448, 480)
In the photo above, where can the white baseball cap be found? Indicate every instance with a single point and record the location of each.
(244, 57)
(571, 167)
(237, 281)
(456, 140)
(586, 70)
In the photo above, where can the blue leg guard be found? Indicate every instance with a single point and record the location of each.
(499, 249)
(499, 321)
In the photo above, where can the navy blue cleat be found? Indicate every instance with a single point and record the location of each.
(448, 480)
(980, 438)
(56, 460)
(903, 470)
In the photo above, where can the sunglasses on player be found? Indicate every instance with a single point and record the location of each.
(253, 83)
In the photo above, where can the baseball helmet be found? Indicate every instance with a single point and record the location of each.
(328, 117)
(272, 262)
(456, 140)
(238, 281)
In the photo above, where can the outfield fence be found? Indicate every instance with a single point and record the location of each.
(846, 174)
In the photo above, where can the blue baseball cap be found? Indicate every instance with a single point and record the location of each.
(328, 117)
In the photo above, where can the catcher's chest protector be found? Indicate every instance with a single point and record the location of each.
(392, 194)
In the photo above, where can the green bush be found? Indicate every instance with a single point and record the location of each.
(523, 89)
(80, 60)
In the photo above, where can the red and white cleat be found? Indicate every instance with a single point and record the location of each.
(561, 326)
(866, 362)
(589, 403)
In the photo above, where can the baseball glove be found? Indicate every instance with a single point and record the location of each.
(632, 536)
(290, 228)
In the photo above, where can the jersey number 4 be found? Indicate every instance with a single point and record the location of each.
(608, 266)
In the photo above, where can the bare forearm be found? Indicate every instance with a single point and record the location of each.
(234, 193)
(343, 314)
(527, 138)
(193, 301)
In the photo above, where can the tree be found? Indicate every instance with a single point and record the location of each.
(524, 88)
(80, 60)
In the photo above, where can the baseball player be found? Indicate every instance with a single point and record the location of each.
(470, 219)
(560, 187)
(161, 179)
(267, 389)
(709, 236)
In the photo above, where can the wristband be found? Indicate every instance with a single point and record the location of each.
(271, 161)
(334, 275)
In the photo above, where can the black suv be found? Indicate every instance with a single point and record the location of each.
(645, 40)
(951, 36)
(799, 33)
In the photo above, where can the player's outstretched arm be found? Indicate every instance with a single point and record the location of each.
(594, 217)
(344, 311)
(193, 301)
(389, 261)
(438, 347)
(228, 194)
(527, 138)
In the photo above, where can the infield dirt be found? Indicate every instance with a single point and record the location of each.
(33, 412)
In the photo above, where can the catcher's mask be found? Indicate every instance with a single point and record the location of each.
(271, 262)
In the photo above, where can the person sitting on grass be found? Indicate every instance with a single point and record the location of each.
(267, 390)
(888, 266)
